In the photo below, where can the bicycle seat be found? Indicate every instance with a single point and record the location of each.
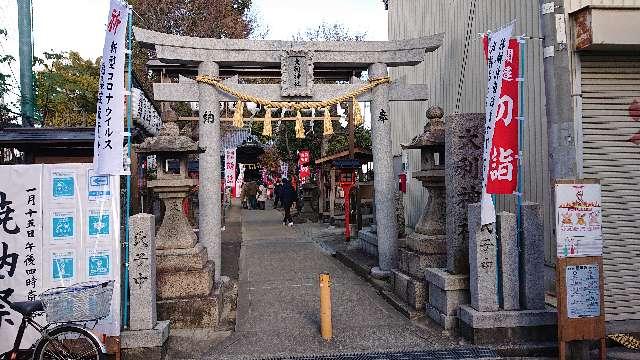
(27, 308)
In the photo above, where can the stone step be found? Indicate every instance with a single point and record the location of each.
(194, 258)
(192, 313)
(410, 290)
(174, 284)
(415, 263)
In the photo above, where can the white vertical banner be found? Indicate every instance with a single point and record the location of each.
(496, 58)
(20, 246)
(230, 167)
(109, 133)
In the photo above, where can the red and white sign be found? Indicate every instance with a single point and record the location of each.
(497, 51)
(305, 173)
(303, 157)
(502, 177)
(230, 167)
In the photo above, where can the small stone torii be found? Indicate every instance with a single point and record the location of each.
(297, 61)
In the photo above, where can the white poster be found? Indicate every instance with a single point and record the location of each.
(230, 167)
(109, 133)
(99, 186)
(45, 241)
(20, 244)
(496, 58)
(578, 220)
(63, 226)
(583, 291)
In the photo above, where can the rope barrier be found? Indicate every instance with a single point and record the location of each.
(293, 105)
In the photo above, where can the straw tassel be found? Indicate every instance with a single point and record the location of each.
(238, 116)
(328, 125)
(266, 128)
(357, 113)
(299, 126)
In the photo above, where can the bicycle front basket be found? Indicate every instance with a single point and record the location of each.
(86, 301)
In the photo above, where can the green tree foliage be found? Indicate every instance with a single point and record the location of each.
(7, 89)
(200, 18)
(67, 89)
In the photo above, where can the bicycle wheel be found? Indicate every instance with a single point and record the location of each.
(68, 342)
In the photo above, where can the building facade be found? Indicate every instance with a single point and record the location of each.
(598, 38)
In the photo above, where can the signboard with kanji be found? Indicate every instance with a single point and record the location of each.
(59, 225)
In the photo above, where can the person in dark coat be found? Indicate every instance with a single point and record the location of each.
(287, 197)
(277, 192)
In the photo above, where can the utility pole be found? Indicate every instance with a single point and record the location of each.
(26, 62)
(561, 128)
(557, 80)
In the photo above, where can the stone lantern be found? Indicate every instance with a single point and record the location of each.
(185, 281)
(172, 186)
(426, 247)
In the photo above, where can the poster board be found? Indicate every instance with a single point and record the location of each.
(71, 236)
(579, 270)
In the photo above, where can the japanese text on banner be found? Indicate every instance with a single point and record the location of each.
(496, 59)
(503, 166)
(230, 167)
(20, 243)
(109, 133)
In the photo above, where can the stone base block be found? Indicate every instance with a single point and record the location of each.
(428, 244)
(151, 338)
(368, 241)
(154, 353)
(410, 290)
(184, 284)
(195, 312)
(500, 327)
(415, 263)
(448, 322)
(447, 291)
(182, 259)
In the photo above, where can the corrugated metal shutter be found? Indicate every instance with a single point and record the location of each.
(610, 84)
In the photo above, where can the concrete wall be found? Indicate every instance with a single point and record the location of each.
(462, 20)
(573, 5)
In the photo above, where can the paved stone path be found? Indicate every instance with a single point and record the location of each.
(278, 300)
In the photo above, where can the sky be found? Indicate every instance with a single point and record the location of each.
(78, 25)
(62, 25)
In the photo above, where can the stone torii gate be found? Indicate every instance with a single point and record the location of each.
(297, 61)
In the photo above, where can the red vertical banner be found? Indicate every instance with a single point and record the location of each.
(502, 177)
(303, 162)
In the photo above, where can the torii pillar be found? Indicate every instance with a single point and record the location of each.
(383, 179)
(209, 194)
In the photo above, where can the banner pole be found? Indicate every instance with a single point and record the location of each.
(521, 78)
(125, 310)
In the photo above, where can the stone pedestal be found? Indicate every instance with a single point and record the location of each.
(446, 293)
(484, 322)
(145, 335)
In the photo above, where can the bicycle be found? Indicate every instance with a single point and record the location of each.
(65, 336)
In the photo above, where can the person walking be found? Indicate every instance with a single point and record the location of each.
(277, 194)
(252, 192)
(262, 196)
(287, 197)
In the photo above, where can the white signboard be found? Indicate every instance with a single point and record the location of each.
(109, 133)
(62, 247)
(21, 248)
(578, 220)
(496, 58)
(583, 291)
(230, 167)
